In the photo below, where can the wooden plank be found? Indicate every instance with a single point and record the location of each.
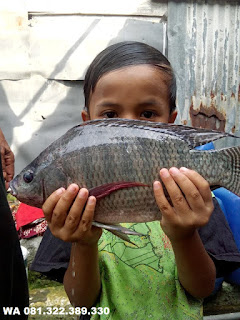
(62, 47)
(103, 7)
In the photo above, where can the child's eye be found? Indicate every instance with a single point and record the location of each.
(110, 114)
(148, 114)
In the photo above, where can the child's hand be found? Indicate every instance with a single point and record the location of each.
(191, 198)
(68, 218)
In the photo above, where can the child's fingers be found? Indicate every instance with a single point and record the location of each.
(176, 195)
(85, 224)
(85, 232)
(88, 214)
(50, 203)
(201, 184)
(161, 200)
(190, 191)
(75, 213)
(63, 206)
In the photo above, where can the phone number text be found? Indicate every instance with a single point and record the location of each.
(56, 311)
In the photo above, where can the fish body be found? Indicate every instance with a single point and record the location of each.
(117, 160)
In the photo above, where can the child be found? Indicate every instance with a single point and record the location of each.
(169, 271)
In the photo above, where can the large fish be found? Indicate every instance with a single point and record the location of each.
(118, 160)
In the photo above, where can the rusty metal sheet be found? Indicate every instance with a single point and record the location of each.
(103, 7)
(204, 48)
(207, 117)
(62, 47)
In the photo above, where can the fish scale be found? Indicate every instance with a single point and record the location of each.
(118, 160)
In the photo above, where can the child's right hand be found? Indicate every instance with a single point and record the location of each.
(69, 214)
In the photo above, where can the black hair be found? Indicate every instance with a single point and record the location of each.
(124, 54)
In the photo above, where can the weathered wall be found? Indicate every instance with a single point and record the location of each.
(46, 47)
(204, 48)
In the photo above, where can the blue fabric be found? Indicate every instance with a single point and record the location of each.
(230, 205)
(207, 146)
(218, 285)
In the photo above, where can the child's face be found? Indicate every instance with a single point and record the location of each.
(135, 92)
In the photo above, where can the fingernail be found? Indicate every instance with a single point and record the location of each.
(164, 173)
(183, 169)
(72, 188)
(174, 171)
(91, 200)
(156, 185)
(59, 191)
(82, 193)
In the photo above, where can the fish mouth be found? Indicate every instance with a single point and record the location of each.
(12, 189)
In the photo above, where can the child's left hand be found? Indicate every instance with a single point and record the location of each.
(191, 198)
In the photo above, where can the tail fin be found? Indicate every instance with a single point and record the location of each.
(232, 183)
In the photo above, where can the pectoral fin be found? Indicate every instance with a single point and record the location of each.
(118, 231)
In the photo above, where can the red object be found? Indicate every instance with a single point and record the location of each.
(26, 215)
(36, 230)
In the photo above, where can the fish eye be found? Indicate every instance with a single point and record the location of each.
(28, 176)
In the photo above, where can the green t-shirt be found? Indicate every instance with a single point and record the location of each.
(141, 282)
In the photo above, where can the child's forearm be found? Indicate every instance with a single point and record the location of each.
(82, 279)
(196, 269)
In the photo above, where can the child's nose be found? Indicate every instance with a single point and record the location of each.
(130, 116)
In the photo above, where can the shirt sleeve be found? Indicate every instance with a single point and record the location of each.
(219, 242)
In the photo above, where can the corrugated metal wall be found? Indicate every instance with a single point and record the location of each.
(46, 47)
(204, 48)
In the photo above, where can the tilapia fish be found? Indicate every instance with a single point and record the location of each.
(117, 160)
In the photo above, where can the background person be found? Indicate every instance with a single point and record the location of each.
(13, 278)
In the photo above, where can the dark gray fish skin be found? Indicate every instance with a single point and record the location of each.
(101, 152)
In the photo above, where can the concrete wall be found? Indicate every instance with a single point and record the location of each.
(46, 47)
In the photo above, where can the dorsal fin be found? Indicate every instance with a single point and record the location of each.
(193, 136)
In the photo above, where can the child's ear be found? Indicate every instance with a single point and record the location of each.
(172, 117)
(85, 116)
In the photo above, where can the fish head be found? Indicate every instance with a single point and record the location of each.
(37, 181)
(27, 187)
